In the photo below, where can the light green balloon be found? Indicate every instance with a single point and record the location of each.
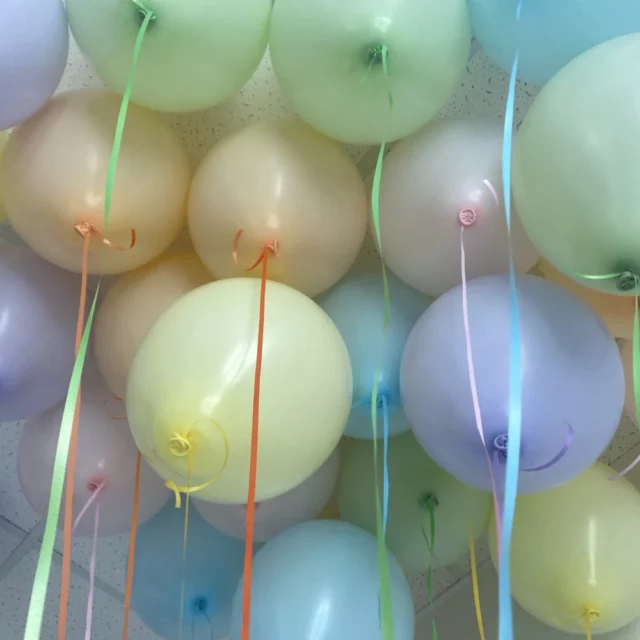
(328, 57)
(576, 179)
(414, 479)
(196, 53)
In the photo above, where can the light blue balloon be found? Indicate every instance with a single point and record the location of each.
(551, 32)
(319, 581)
(356, 306)
(213, 568)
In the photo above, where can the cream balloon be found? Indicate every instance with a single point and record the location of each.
(300, 504)
(195, 54)
(3, 141)
(626, 352)
(575, 553)
(615, 311)
(279, 182)
(132, 306)
(54, 177)
(575, 164)
(191, 389)
(417, 485)
(106, 456)
(369, 70)
(448, 172)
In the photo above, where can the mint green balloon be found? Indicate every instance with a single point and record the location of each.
(329, 57)
(195, 54)
(576, 165)
(415, 481)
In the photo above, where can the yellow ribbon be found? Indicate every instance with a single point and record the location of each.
(474, 582)
(589, 616)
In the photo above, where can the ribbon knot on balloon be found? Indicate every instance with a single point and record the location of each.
(87, 231)
(144, 13)
(273, 247)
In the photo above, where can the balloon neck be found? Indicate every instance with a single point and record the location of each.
(141, 12)
(467, 217)
(200, 605)
(591, 614)
(627, 281)
(429, 501)
(179, 446)
(376, 55)
(501, 444)
(96, 483)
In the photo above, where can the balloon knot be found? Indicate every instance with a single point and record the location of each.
(96, 484)
(467, 217)
(179, 446)
(429, 501)
(376, 54)
(88, 230)
(142, 12)
(627, 281)
(591, 614)
(501, 443)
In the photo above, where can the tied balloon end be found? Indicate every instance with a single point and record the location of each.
(87, 230)
(467, 218)
(429, 501)
(272, 247)
(627, 281)
(142, 13)
(590, 616)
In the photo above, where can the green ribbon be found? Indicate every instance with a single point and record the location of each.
(35, 614)
(430, 503)
(386, 612)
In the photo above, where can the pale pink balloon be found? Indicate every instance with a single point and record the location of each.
(106, 455)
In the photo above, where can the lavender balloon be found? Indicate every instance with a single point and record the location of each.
(572, 380)
(34, 45)
(38, 312)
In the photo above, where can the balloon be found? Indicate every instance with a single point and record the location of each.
(34, 45)
(132, 306)
(300, 504)
(195, 55)
(279, 182)
(450, 169)
(356, 305)
(191, 390)
(615, 311)
(626, 352)
(319, 581)
(575, 166)
(417, 484)
(39, 309)
(572, 381)
(367, 72)
(54, 176)
(575, 553)
(106, 454)
(549, 34)
(3, 140)
(210, 573)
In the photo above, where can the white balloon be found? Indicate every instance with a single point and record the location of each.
(106, 454)
(304, 502)
(450, 169)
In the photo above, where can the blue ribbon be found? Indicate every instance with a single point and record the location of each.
(385, 472)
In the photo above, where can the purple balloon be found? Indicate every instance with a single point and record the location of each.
(38, 316)
(572, 381)
(34, 45)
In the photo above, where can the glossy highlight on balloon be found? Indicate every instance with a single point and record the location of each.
(34, 45)
(357, 307)
(284, 183)
(448, 172)
(38, 308)
(54, 176)
(195, 55)
(210, 574)
(319, 581)
(574, 553)
(415, 481)
(572, 382)
(575, 165)
(191, 387)
(338, 64)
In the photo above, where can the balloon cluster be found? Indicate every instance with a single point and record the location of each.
(299, 404)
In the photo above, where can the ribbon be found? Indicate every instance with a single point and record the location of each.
(92, 568)
(253, 464)
(185, 538)
(128, 590)
(505, 628)
(385, 463)
(430, 503)
(474, 583)
(64, 462)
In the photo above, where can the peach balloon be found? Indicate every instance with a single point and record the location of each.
(54, 177)
(132, 306)
(626, 351)
(615, 311)
(279, 182)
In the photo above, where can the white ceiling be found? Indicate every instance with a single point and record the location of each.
(482, 93)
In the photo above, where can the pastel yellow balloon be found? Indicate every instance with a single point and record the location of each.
(615, 311)
(575, 553)
(626, 351)
(191, 389)
(132, 306)
(54, 176)
(3, 141)
(279, 182)
(196, 53)
(340, 64)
